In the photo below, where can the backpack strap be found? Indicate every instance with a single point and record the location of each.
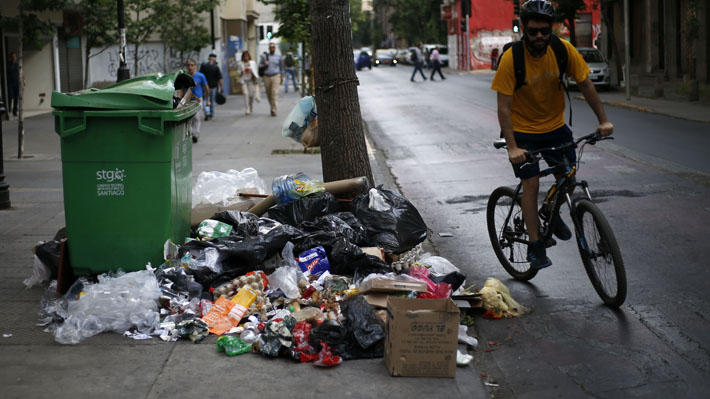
(519, 63)
(562, 62)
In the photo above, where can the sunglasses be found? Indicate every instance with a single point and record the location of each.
(534, 31)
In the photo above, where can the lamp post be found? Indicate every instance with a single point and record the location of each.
(4, 187)
(123, 73)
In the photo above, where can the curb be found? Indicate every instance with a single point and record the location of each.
(622, 105)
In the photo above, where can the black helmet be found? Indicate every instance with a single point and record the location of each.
(538, 9)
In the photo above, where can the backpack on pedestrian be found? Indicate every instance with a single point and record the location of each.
(262, 68)
(518, 48)
(288, 61)
(414, 55)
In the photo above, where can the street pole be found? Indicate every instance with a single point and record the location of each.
(627, 51)
(4, 187)
(123, 72)
(468, 46)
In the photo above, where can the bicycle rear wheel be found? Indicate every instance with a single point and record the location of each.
(509, 240)
(600, 254)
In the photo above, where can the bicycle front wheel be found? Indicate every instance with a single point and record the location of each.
(600, 254)
(508, 234)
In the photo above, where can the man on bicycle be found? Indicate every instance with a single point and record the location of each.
(532, 116)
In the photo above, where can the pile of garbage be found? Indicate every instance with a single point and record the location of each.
(309, 282)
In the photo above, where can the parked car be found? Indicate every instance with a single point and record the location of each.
(386, 56)
(403, 56)
(363, 61)
(598, 66)
(443, 52)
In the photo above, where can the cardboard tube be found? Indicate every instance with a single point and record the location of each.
(356, 184)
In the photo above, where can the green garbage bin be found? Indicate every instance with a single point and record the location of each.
(127, 171)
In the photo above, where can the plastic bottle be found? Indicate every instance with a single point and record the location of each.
(288, 188)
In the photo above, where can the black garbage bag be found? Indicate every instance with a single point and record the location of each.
(453, 278)
(304, 209)
(333, 223)
(345, 258)
(49, 254)
(247, 253)
(244, 224)
(398, 229)
(178, 281)
(361, 336)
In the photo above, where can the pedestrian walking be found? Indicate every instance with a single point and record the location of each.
(211, 71)
(417, 59)
(13, 82)
(249, 78)
(291, 71)
(436, 63)
(201, 92)
(273, 76)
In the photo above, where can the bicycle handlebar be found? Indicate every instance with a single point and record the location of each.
(591, 138)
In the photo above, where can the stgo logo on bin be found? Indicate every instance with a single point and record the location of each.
(110, 183)
(110, 175)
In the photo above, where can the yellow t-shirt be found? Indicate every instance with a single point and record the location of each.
(538, 106)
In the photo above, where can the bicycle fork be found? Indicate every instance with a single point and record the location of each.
(578, 228)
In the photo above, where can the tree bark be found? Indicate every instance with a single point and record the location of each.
(606, 13)
(20, 116)
(343, 148)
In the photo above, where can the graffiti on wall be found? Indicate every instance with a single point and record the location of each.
(596, 32)
(482, 46)
(152, 58)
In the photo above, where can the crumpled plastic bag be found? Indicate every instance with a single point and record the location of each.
(302, 114)
(438, 264)
(361, 336)
(304, 209)
(116, 303)
(40, 274)
(496, 297)
(216, 187)
(397, 229)
(277, 336)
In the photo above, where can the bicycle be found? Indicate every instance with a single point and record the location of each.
(595, 240)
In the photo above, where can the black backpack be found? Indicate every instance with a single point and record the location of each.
(519, 64)
(288, 61)
(414, 55)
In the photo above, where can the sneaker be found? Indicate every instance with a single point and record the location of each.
(537, 255)
(194, 139)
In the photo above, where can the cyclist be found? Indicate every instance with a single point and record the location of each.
(532, 116)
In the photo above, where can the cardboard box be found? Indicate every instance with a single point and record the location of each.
(206, 211)
(392, 286)
(422, 337)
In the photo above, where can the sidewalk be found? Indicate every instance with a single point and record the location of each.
(112, 366)
(694, 111)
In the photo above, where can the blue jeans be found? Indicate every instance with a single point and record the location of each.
(209, 111)
(291, 72)
(417, 67)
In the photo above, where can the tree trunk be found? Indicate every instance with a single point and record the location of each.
(135, 60)
(20, 114)
(86, 67)
(606, 13)
(343, 148)
(572, 31)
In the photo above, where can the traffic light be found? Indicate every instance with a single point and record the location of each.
(516, 7)
(516, 26)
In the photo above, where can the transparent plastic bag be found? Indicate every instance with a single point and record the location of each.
(223, 188)
(116, 303)
(40, 274)
(438, 265)
(302, 114)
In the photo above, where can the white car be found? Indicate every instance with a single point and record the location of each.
(598, 66)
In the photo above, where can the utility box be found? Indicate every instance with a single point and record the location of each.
(127, 171)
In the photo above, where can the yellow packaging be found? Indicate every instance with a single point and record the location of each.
(244, 298)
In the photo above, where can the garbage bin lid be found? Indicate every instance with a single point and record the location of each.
(152, 91)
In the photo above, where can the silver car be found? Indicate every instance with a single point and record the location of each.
(598, 66)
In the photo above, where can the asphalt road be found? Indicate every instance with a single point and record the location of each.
(651, 183)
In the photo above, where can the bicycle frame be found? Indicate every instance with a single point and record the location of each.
(563, 188)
